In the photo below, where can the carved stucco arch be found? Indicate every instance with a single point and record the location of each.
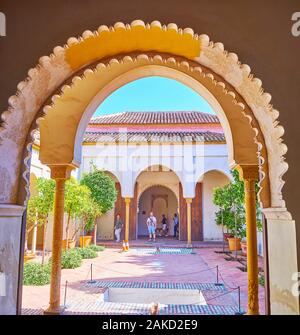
(201, 176)
(53, 71)
(142, 191)
(154, 182)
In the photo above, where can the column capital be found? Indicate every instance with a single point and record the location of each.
(61, 172)
(189, 200)
(127, 200)
(248, 172)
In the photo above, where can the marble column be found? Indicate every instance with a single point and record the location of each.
(127, 210)
(60, 173)
(250, 175)
(189, 221)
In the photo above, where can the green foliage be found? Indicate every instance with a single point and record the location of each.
(41, 205)
(230, 199)
(76, 196)
(79, 204)
(71, 259)
(261, 280)
(36, 274)
(96, 248)
(102, 187)
(87, 253)
(90, 211)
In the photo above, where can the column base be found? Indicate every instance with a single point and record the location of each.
(189, 245)
(54, 311)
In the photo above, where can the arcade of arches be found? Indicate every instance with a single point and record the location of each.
(60, 95)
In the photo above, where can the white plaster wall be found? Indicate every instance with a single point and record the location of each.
(188, 161)
(211, 180)
(10, 231)
(105, 226)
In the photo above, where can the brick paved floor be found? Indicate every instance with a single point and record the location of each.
(112, 265)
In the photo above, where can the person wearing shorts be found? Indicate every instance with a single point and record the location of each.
(151, 224)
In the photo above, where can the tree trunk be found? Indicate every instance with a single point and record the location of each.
(95, 233)
(34, 235)
(44, 241)
(67, 230)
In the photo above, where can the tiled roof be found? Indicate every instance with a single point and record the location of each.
(154, 136)
(172, 117)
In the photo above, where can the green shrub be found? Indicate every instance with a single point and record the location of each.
(70, 259)
(96, 247)
(87, 253)
(36, 274)
(261, 280)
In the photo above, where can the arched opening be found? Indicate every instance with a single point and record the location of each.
(248, 119)
(161, 201)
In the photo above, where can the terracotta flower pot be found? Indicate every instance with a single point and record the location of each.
(85, 241)
(28, 257)
(71, 244)
(227, 235)
(234, 243)
(244, 247)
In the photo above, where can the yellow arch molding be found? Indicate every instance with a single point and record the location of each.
(128, 38)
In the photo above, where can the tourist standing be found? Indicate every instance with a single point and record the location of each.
(118, 227)
(176, 224)
(151, 224)
(164, 223)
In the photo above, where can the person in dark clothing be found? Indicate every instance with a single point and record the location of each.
(118, 227)
(164, 223)
(176, 224)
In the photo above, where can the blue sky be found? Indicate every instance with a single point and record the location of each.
(153, 94)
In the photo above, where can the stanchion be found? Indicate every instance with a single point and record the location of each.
(218, 283)
(91, 281)
(65, 297)
(240, 312)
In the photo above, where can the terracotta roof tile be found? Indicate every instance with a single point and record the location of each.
(172, 117)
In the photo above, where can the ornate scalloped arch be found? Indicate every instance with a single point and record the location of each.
(142, 191)
(53, 71)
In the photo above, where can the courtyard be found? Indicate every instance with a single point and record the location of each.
(151, 269)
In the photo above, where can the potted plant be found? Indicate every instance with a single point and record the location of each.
(75, 197)
(259, 228)
(230, 199)
(103, 193)
(90, 211)
(235, 222)
(244, 246)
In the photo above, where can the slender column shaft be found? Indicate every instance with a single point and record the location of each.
(127, 203)
(57, 247)
(252, 259)
(34, 236)
(60, 174)
(189, 221)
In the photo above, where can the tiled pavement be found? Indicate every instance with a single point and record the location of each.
(114, 266)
